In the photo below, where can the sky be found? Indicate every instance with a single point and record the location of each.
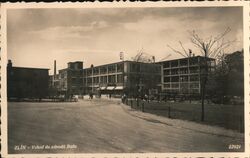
(37, 37)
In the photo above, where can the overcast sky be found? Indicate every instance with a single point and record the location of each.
(37, 37)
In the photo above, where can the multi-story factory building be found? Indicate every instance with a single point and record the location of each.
(179, 76)
(183, 76)
(130, 77)
(68, 81)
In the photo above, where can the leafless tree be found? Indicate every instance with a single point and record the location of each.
(143, 57)
(212, 47)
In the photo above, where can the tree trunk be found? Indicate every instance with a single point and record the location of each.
(204, 82)
(202, 101)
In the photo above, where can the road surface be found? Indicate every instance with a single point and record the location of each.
(107, 126)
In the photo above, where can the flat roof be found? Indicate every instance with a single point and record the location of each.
(118, 63)
(198, 56)
(30, 68)
(75, 62)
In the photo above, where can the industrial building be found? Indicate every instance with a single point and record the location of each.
(183, 76)
(129, 77)
(23, 82)
(68, 81)
(179, 76)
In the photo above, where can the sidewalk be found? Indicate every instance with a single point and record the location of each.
(183, 124)
(176, 123)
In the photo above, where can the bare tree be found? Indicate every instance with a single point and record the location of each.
(212, 47)
(143, 57)
(209, 48)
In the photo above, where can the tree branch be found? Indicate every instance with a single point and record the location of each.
(183, 49)
(176, 51)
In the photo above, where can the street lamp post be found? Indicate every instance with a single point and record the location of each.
(92, 80)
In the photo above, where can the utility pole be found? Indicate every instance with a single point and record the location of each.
(123, 66)
(92, 79)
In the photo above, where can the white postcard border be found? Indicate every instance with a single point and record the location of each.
(246, 33)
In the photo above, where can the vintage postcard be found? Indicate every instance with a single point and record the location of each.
(125, 79)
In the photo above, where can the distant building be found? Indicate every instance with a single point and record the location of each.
(180, 76)
(183, 76)
(23, 82)
(68, 81)
(129, 77)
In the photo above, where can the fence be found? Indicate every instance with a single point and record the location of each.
(227, 116)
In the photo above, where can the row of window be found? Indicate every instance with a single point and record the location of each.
(191, 78)
(144, 68)
(105, 69)
(190, 91)
(105, 79)
(181, 71)
(182, 85)
(179, 63)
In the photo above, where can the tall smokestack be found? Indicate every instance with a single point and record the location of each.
(54, 67)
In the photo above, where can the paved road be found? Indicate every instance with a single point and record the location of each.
(106, 126)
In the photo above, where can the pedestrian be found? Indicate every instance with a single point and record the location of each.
(122, 99)
(146, 97)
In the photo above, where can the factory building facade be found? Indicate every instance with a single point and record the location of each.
(129, 77)
(184, 76)
(68, 81)
(179, 76)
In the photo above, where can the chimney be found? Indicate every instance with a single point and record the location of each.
(54, 67)
(9, 64)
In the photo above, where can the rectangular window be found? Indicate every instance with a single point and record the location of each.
(174, 64)
(120, 78)
(96, 71)
(111, 79)
(194, 78)
(183, 78)
(89, 80)
(174, 71)
(89, 72)
(111, 68)
(166, 64)
(166, 85)
(183, 62)
(175, 85)
(175, 79)
(194, 70)
(103, 79)
(184, 71)
(120, 67)
(166, 72)
(193, 61)
(103, 70)
(166, 79)
(96, 79)
(194, 85)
